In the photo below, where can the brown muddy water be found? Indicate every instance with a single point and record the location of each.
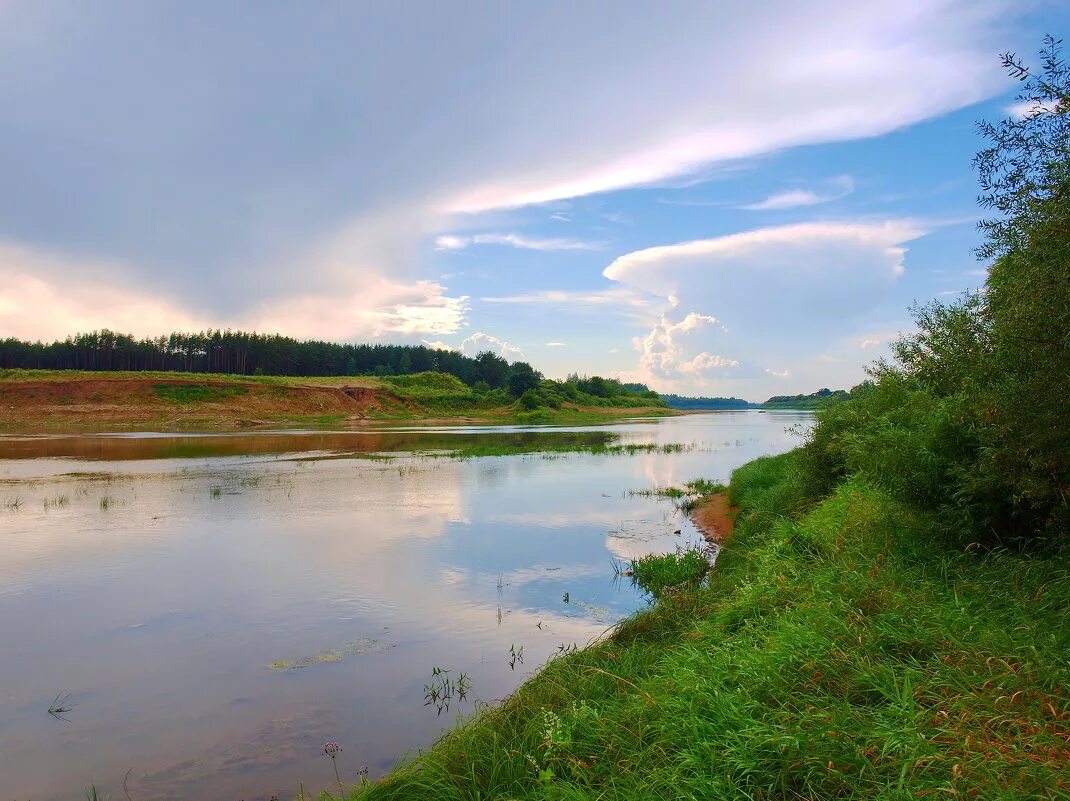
(210, 609)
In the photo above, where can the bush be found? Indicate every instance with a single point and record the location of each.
(530, 401)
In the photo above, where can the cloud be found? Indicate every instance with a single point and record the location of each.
(780, 374)
(1023, 109)
(841, 186)
(49, 296)
(616, 296)
(555, 344)
(761, 295)
(242, 175)
(437, 345)
(868, 343)
(661, 353)
(479, 342)
(452, 242)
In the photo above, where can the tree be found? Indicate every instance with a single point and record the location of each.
(492, 368)
(1027, 162)
(970, 419)
(523, 377)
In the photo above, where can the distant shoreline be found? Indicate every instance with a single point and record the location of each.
(50, 400)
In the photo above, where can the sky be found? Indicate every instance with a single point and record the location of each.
(716, 199)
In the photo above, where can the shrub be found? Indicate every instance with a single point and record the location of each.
(530, 401)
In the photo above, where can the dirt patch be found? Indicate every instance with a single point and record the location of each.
(119, 402)
(715, 516)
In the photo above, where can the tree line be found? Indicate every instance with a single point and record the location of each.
(245, 353)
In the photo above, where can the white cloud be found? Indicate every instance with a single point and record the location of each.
(49, 296)
(1022, 110)
(555, 344)
(779, 374)
(705, 362)
(661, 352)
(437, 345)
(868, 343)
(762, 295)
(382, 307)
(452, 242)
(479, 342)
(351, 179)
(840, 186)
(624, 300)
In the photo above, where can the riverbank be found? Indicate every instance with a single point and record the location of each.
(44, 400)
(838, 650)
(715, 517)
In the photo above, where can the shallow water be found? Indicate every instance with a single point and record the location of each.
(219, 606)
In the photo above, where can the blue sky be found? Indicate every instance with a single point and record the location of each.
(714, 200)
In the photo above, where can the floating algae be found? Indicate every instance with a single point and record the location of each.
(364, 645)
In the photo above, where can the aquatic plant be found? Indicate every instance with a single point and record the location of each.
(660, 573)
(685, 497)
(57, 502)
(516, 656)
(60, 706)
(443, 689)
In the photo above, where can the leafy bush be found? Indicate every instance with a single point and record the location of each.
(429, 383)
(970, 418)
(530, 401)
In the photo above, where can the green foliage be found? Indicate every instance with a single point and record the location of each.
(969, 420)
(429, 384)
(491, 369)
(197, 393)
(661, 573)
(814, 400)
(681, 402)
(529, 400)
(523, 378)
(1026, 166)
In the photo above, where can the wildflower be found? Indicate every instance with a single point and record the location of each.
(333, 749)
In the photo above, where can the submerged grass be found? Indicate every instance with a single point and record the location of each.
(837, 651)
(684, 497)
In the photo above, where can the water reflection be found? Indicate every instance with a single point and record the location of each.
(226, 613)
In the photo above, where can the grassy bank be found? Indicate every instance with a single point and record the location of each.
(837, 650)
(65, 399)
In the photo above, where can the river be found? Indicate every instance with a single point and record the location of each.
(203, 612)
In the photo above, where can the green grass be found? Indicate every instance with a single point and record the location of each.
(659, 574)
(197, 393)
(687, 496)
(837, 650)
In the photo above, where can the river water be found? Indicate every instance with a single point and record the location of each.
(205, 611)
